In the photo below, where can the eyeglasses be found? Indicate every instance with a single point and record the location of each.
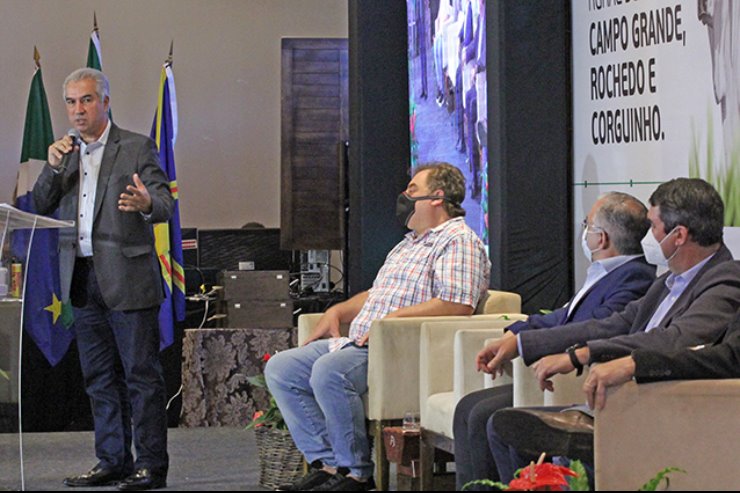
(596, 229)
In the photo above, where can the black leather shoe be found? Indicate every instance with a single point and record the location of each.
(316, 477)
(97, 476)
(143, 479)
(340, 482)
(533, 431)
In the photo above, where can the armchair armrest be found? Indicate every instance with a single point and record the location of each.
(527, 393)
(394, 361)
(444, 367)
(442, 360)
(502, 302)
(488, 382)
(307, 322)
(691, 424)
(568, 390)
(468, 344)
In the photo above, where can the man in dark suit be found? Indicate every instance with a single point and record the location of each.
(110, 182)
(689, 305)
(718, 360)
(617, 275)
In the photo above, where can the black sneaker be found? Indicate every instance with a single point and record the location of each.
(315, 477)
(339, 482)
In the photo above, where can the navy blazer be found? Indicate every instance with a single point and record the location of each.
(706, 306)
(610, 294)
(719, 360)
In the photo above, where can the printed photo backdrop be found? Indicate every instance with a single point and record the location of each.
(656, 95)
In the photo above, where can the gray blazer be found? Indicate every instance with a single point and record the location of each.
(705, 307)
(124, 254)
(720, 360)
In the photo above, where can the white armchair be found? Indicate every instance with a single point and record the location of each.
(393, 365)
(690, 424)
(527, 391)
(446, 376)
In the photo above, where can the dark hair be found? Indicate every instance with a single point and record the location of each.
(449, 179)
(693, 203)
(624, 218)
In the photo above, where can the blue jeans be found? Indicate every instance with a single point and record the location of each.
(320, 396)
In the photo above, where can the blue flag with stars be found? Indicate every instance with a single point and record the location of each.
(45, 318)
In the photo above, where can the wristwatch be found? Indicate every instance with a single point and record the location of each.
(571, 351)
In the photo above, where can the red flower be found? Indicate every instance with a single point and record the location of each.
(266, 357)
(546, 476)
(256, 416)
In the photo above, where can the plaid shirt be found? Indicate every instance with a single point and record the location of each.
(448, 262)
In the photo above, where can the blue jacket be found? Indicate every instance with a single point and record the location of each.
(610, 294)
(698, 316)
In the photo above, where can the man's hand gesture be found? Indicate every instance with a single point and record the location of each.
(549, 366)
(137, 200)
(606, 375)
(327, 326)
(492, 358)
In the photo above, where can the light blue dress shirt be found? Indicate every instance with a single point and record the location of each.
(676, 285)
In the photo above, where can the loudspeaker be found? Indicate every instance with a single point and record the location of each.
(224, 249)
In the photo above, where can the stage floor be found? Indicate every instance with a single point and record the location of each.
(203, 459)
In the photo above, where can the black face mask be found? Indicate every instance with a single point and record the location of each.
(405, 205)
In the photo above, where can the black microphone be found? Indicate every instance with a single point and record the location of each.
(75, 134)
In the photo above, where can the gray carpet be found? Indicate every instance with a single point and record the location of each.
(202, 459)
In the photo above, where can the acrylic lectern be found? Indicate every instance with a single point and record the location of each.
(12, 219)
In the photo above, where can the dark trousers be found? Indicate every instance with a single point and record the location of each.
(508, 459)
(119, 356)
(473, 459)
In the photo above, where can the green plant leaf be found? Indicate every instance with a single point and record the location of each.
(718, 172)
(485, 482)
(4, 374)
(653, 483)
(580, 482)
(258, 381)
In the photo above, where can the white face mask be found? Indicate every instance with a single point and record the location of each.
(653, 252)
(584, 245)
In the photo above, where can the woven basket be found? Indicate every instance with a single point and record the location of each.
(280, 461)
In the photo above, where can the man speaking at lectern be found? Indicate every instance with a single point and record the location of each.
(110, 182)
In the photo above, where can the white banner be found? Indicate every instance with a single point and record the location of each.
(655, 96)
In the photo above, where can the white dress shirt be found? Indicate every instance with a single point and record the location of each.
(91, 155)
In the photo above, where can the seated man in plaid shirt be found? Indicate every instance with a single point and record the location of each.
(439, 268)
